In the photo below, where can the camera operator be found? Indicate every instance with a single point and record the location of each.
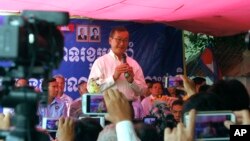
(34, 46)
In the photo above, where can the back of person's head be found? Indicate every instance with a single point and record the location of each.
(232, 93)
(199, 80)
(204, 88)
(117, 29)
(87, 129)
(203, 102)
(45, 83)
(146, 132)
(108, 133)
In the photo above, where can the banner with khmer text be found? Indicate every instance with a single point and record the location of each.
(156, 47)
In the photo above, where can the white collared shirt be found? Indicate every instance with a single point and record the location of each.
(125, 131)
(104, 68)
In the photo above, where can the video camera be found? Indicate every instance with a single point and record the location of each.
(32, 46)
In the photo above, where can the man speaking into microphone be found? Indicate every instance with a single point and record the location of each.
(116, 70)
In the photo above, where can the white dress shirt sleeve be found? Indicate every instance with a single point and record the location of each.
(139, 85)
(97, 72)
(125, 131)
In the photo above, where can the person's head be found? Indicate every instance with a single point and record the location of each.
(50, 86)
(204, 88)
(82, 88)
(203, 102)
(87, 129)
(118, 40)
(146, 132)
(176, 109)
(21, 82)
(199, 81)
(95, 31)
(61, 84)
(232, 93)
(172, 91)
(82, 31)
(157, 89)
(108, 133)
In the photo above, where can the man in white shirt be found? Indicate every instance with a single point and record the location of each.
(61, 95)
(116, 70)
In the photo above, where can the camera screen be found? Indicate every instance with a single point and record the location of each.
(174, 81)
(96, 104)
(150, 120)
(50, 124)
(211, 127)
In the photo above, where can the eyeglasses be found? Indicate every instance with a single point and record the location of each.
(118, 40)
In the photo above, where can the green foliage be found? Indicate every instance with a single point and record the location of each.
(194, 43)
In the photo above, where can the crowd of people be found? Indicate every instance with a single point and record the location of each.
(130, 99)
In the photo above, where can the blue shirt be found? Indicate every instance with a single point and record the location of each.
(55, 109)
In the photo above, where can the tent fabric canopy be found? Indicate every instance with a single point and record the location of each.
(214, 17)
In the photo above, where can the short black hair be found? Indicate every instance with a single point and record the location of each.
(119, 29)
(178, 102)
(199, 80)
(94, 29)
(45, 83)
(159, 82)
(87, 129)
(81, 82)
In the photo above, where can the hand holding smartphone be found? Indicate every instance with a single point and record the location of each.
(50, 124)
(209, 125)
(173, 81)
(93, 104)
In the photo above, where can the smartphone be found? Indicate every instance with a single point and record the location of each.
(93, 104)
(50, 124)
(99, 119)
(150, 120)
(174, 81)
(209, 125)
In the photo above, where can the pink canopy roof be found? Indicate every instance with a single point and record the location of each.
(214, 17)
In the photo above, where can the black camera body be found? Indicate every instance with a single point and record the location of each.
(34, 46)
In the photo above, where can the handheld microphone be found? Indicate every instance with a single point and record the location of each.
(124, 60)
